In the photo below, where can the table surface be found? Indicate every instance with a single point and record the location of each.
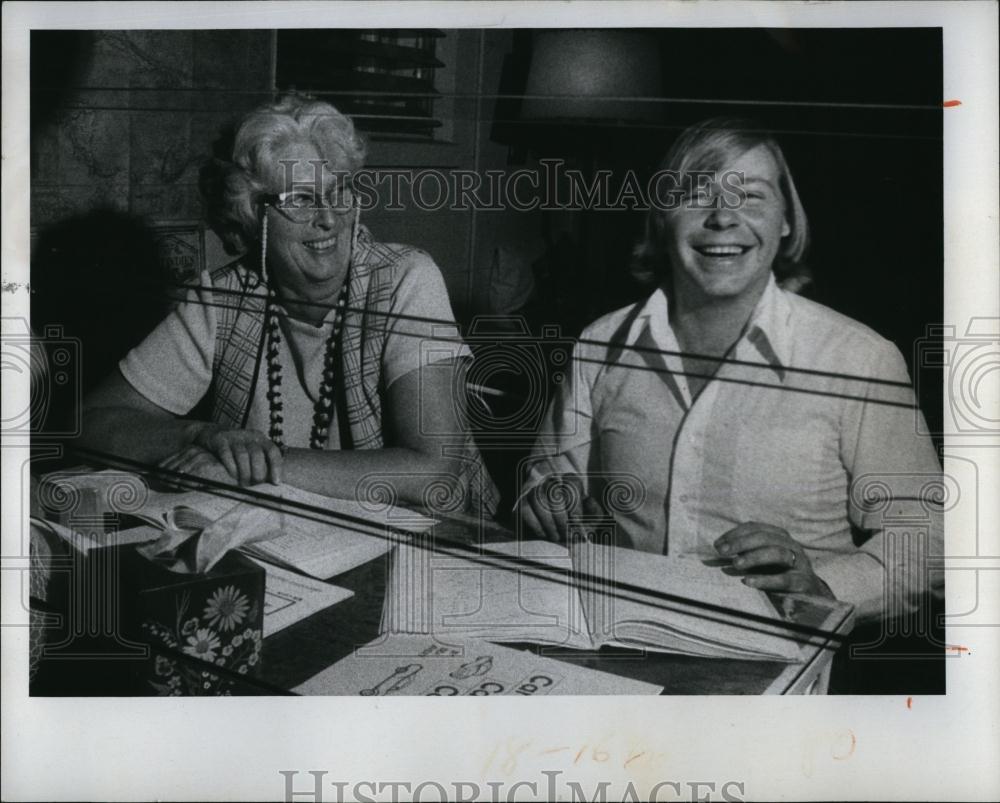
(295, 654)
(305, 648)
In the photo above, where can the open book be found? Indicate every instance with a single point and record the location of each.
(342, 534)
(583, 597)
(339, 535)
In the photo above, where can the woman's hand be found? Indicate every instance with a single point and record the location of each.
(196, 462)
(754, 546)
(249, 456)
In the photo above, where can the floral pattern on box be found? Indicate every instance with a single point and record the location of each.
(219, 636)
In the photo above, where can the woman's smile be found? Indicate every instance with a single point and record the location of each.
(308, 259)
(325, 244)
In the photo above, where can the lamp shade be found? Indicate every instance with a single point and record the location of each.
(592, 75)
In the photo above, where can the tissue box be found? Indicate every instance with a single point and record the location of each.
(215, 618)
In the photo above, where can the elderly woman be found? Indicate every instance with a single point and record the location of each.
(747, 424)
(314, 348)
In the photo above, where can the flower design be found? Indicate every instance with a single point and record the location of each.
(203, 644)
(252, 659)
(163, 666)
(226, 608)
(189, 627)
(228, 650)
(237, 641)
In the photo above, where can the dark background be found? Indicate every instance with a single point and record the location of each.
(869, 172)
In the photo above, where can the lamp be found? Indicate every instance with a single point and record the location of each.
(591, 98)
(598, 75)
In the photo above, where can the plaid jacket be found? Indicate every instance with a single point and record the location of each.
(239, 344)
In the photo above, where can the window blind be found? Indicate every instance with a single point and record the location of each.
(384, 79)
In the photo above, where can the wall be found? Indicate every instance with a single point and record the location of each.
(123, 119)
(152, 103)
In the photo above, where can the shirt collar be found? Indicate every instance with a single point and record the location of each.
(654, 315)
(768, 331)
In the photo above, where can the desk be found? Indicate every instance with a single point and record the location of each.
(293, 655)
(307, 647)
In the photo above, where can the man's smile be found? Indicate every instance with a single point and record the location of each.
(722, 250)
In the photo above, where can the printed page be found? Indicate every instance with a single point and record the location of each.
(379, 515)
(319, 550)
(337, 536)
(215, 504)
(291, 597)
(691, 624)
(212, 506)
(421, 665)
(519, 599)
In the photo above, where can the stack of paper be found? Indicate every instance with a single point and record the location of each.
(334, 537)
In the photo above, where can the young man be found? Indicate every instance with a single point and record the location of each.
(750, 423)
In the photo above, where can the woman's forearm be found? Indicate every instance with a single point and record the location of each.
(136, 434)
(345, 474)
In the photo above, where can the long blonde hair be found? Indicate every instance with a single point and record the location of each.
(710, 145)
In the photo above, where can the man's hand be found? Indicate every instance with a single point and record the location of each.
(548, 510)
(755, 547)
(249, 456)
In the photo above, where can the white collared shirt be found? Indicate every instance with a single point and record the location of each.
(808, 413)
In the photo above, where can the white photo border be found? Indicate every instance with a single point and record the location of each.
(842, 748)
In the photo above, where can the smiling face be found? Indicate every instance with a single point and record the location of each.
(726, 254)
(307, 260)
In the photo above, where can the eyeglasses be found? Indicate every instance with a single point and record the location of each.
(301, 205)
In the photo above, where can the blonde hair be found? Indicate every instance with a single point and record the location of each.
(711, 145)
(231, 188)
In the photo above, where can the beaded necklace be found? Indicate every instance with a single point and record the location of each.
(323, 408)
